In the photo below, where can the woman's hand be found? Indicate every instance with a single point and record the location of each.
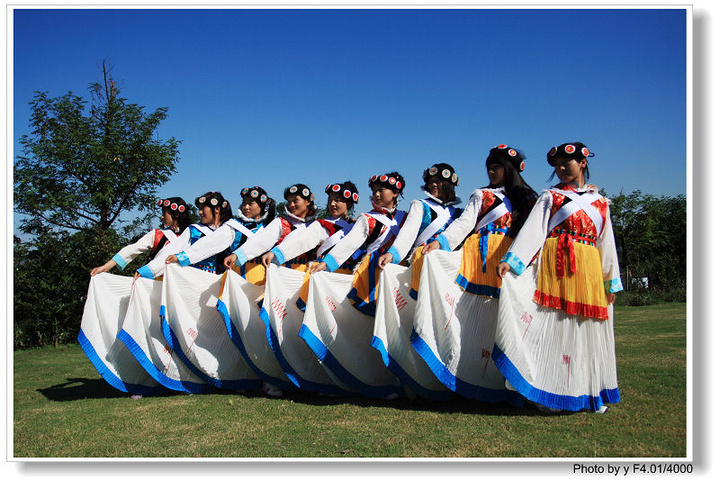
(610, 298)
(230, 261)
(434, 245)
(267, 259)
(384, 259)
(318, 267)
(502, 269)
(104, 268)
(171, 259)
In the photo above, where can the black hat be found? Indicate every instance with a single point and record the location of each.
(574, 150)
(442, 171)
(347, 190)
(394, 181)
(512, 155)
(299, 189)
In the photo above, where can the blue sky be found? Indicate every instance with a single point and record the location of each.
(274, 97)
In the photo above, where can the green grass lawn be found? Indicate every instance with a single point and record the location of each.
(63, 408)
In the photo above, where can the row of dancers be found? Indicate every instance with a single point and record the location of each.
(507, 300)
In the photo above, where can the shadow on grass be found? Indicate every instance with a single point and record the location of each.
(82, 388)
(97, 388)
(455, 405)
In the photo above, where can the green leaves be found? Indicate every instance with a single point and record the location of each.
(651, 237)
(82, 165)
(81, 169)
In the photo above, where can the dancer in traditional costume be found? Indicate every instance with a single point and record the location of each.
(286, 289)
(456, 316)
(109, 298)
(397, 287)
(214, 211)
(555, 339)
(175, 219)
(192, 327)
(256, 211)
(338, 322)
(299, 213)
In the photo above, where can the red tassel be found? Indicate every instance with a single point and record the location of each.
(565, 243)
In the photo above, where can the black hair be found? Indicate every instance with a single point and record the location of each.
(266, 203)
(393, 181)
(572, 150)
(341, 189)
(181, 214)
(521, 195)
(448, 182)
(303, 191)
(213, 200)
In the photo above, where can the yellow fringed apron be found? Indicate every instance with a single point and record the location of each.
(364, 284)
(482, 252)
(570, 276)
(416, 265)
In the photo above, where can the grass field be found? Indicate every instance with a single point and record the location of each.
(63, 408)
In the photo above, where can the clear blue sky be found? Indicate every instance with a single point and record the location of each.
(274, 97)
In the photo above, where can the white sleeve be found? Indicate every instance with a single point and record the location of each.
(532, 235)
(460, 228)
(349, 244)
(157, 265)
(296, 245)
(262, 242)
(410, 229)
(128, 253)
(608, 257)
(210, 245)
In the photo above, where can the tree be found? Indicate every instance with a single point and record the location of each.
(78, 172)
(81, 171)
(651, 237)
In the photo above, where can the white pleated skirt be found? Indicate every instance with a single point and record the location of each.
(283, 321)
(454, 332)
(196, 331)
(141, 332)
(392, 331)
(341, 336)
(105, 309)
(554, 359)
(239, 306)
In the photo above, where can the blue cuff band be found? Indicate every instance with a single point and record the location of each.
(444, 245)
(145, 272)
(516, 265)
(613, 286)
(242, 259)
(331, 263)
(279, 256)
(120, 261)
(183, 259)
(395, 255)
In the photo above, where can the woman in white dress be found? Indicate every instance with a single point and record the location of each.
(338, 323)
(457, 310)
(555, 339)
(400, 276)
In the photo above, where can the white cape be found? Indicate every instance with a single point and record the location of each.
(283, 321)
(241, 315)
(558, 360)
(141, 332)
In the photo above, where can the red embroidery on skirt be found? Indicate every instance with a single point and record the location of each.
(572, 308)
